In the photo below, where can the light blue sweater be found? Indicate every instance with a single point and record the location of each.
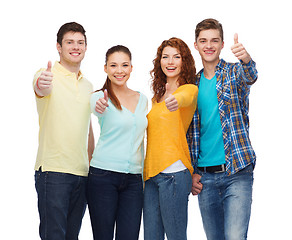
(120, 145)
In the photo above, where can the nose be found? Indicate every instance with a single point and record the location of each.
(208, 45)
(75, 45)
(119, 69)
(170, 60)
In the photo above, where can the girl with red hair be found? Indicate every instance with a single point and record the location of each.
(167, 167)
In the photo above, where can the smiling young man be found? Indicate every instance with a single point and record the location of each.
(65, 137)
(218, 136)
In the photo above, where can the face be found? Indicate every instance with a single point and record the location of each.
(73, 48)
(118, 68)
(209, 44)
(171, 62)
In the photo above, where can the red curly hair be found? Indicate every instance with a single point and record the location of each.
(188, 69)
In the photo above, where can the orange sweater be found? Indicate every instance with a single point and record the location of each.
(166, 132)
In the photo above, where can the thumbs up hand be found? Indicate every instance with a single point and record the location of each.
(43, 85)
(102, 103)
(239, 51)
(46, 78)
(170, 101)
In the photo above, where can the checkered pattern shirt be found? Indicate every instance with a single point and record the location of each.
(233, 86)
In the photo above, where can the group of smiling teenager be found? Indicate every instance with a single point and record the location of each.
(197, 141)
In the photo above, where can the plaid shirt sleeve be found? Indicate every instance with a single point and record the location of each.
(193, 138)
(247, 72)
(193, 134)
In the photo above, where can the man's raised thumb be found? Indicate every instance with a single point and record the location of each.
(235, 38)
(49, 67)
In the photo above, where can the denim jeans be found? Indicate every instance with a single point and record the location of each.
(115, 199)
(61, 204)
(225, 204)
(166, 206)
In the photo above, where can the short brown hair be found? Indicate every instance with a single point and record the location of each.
(70, 27)
(207, 24)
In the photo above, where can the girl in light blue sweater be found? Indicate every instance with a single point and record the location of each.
(115, 186)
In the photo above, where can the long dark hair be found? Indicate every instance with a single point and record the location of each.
(107, 84)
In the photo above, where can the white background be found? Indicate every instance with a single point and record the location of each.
(28, 41)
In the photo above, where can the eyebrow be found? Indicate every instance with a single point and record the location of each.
(168, 54)
(211, 39)
(68, 40)
(117, 63)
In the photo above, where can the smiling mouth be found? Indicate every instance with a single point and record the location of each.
(75, 54)
(209, 52)
(170, 68)
(119, 77)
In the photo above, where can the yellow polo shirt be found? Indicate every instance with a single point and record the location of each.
(64, 118)
(166, 132)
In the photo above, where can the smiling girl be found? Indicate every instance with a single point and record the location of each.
(167, 168)
(115, 186)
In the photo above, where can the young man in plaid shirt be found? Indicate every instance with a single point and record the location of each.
(218, 136)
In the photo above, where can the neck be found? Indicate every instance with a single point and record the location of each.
(120, 89)
(173, 84)
(74, 68)
(209, 69)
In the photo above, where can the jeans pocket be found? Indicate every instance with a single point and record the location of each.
(37, 175)
(247, 170)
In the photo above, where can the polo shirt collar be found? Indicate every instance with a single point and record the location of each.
(65, 71)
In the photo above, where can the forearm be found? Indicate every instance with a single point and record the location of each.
(187, 97)
(90, 147)
(249, 72)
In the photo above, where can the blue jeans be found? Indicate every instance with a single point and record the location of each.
(225, 204)
(61, 204)
(115, 198)
(166, 206)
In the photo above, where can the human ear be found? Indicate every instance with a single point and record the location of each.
(59, 47)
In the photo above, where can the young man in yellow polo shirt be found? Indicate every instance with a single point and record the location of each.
(65, 137)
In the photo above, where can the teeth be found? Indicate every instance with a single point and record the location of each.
(75, 54)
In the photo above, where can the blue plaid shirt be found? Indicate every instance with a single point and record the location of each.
(233, 86)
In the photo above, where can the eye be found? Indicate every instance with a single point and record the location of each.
(112, 65)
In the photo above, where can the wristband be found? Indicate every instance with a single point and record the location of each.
(37, 84)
